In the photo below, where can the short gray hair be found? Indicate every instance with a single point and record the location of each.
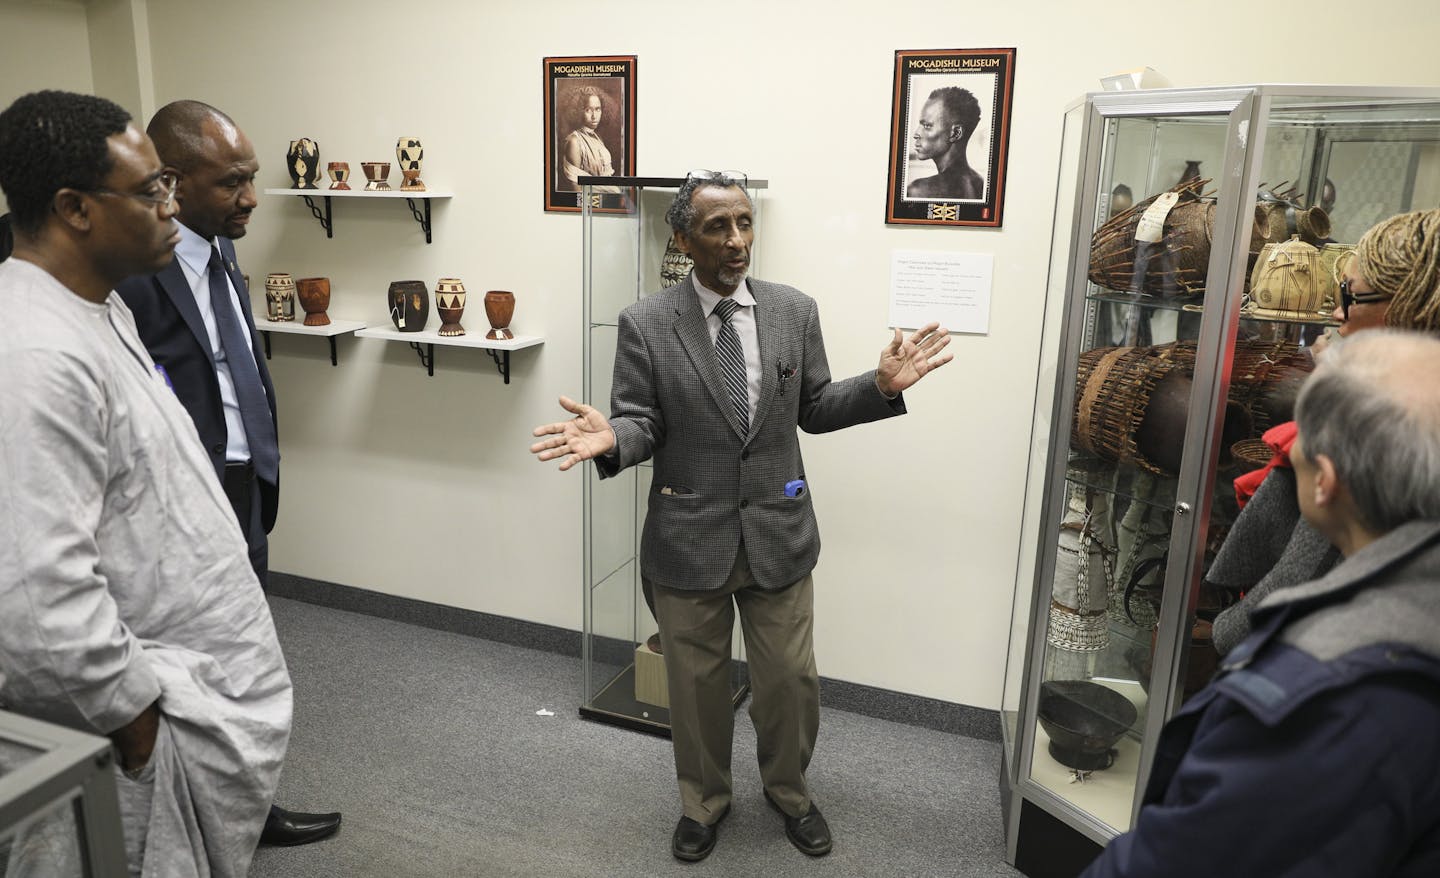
(681, 214)
(1373, 407)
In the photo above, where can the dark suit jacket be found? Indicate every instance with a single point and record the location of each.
(669, 401)
(172, 329)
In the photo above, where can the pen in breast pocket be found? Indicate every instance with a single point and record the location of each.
(784, 371)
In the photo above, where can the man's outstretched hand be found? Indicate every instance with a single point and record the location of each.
(906, 360)
(585, 436)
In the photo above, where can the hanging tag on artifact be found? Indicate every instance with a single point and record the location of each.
(1152, 224)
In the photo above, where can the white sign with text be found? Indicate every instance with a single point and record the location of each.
(953, 288)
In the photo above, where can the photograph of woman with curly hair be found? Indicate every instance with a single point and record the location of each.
(588, 113)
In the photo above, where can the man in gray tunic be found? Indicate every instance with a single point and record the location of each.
(129, 604)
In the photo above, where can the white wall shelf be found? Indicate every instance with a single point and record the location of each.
(421, 212)
(424, 342)
(295, 327)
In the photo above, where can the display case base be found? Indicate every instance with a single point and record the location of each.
(616, 704)
(1048, 848)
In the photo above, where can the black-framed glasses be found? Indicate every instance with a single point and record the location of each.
(1348, 298)
(160, 194)
(723, 178)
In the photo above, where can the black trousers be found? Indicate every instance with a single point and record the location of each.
(243, 490)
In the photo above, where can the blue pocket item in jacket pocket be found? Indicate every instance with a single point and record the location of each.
(795, 488)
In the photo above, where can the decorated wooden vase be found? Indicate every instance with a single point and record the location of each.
(377, 176)
(303, 161)
(279, 297)
(674, 265)
(450, 305)
(499, 308)
(339, 173)
(314, 295)
(409, 304)
(408, 154)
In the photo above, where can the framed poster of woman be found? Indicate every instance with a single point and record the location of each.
(589, 127)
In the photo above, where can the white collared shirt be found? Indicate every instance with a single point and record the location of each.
(193, 252)
(744, 322)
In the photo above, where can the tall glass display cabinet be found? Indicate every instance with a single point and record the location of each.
(1198, 239)
(626, 257)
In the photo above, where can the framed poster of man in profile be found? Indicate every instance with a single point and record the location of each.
(589, 128)
(949, 135)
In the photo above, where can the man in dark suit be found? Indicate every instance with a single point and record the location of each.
(194, 317)
(712, 377)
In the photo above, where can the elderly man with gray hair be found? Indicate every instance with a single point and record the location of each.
(1324, 718)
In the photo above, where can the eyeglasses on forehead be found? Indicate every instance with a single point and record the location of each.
(723, 178)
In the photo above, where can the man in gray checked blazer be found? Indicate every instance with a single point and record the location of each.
(712, 376)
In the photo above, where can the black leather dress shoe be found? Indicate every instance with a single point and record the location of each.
(809, 832)
(693, 841)
(289, 828)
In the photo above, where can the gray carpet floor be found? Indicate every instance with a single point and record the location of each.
(431, 745)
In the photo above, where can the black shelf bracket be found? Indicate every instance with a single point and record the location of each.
(427, 356)
(422, 219)
(501, 363)
(323, 216)
(334, 360)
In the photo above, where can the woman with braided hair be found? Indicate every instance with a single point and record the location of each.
(1392, 281)
(1394, 278)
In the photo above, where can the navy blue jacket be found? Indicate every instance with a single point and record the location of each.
(1313, 753)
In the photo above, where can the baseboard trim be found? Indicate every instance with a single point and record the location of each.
(915, 710)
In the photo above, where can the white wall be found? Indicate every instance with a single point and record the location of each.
(43, 44)
(423, 486)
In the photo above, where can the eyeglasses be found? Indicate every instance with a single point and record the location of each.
(1348, 298)
(723, 178)
(160, 194)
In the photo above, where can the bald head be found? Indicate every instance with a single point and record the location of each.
(215, 163)
(180, 129)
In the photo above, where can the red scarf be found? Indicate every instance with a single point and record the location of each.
(1280, 438)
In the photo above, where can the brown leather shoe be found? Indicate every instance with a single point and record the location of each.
(809, 832)
(693, 841)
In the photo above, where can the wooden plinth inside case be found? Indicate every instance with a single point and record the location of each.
(651, 685)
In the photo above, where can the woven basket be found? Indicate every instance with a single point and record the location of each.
(1288, 283)
(1279, 220)
(1261, 369)
(1113, 387)
(1252, 453)
(1175, 267)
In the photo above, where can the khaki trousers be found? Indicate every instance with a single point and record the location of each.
(695, 634)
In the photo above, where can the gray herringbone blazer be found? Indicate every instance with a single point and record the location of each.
(669, 402)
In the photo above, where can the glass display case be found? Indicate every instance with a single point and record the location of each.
(1198, 240)
(626, 257)
(59, 814)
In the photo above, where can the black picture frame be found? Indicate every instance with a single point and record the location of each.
(571, 83)
(943, 172)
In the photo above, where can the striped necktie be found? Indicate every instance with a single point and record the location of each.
(732, 362)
